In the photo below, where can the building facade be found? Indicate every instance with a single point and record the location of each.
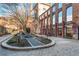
(57, 20)
(38, 9)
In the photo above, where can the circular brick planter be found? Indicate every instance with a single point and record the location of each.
(5, 45)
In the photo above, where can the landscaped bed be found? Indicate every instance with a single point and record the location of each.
(44, 40)
(27, 41)
(13, 42)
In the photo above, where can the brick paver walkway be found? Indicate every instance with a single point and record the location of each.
(2, 38)
(63, 47)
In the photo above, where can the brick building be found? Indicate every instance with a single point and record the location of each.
(38, 9)
(67, 28)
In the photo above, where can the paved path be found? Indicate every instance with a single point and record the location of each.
(2, 38)
(63, 47)
(34, 42)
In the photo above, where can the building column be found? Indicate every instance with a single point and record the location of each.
(64, 20)
(47, 27)
(75, 20)
(41, 27)
(51, 32)
(44, 26)
(56, 19)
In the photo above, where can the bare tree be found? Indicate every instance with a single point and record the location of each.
(13, 11)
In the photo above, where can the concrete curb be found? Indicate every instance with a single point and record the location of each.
(26, 48)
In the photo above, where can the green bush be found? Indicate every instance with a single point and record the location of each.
(13, 40)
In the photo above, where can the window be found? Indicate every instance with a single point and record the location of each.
(53, 20)
(45, 23)
(60, 24)
(69, 23)
(59, 5)
(60, 18)
(53, 9)
(69, 14)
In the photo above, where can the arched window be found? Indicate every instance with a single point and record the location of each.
(69, 14)
(59, 5)
(53, 22)
(60, 17)
(53, 9)
(69, 30)
(46, 23)
(60, 23)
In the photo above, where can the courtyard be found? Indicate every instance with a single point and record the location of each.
(63, 47)
(39, 25)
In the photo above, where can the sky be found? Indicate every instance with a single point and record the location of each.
(3, 11)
